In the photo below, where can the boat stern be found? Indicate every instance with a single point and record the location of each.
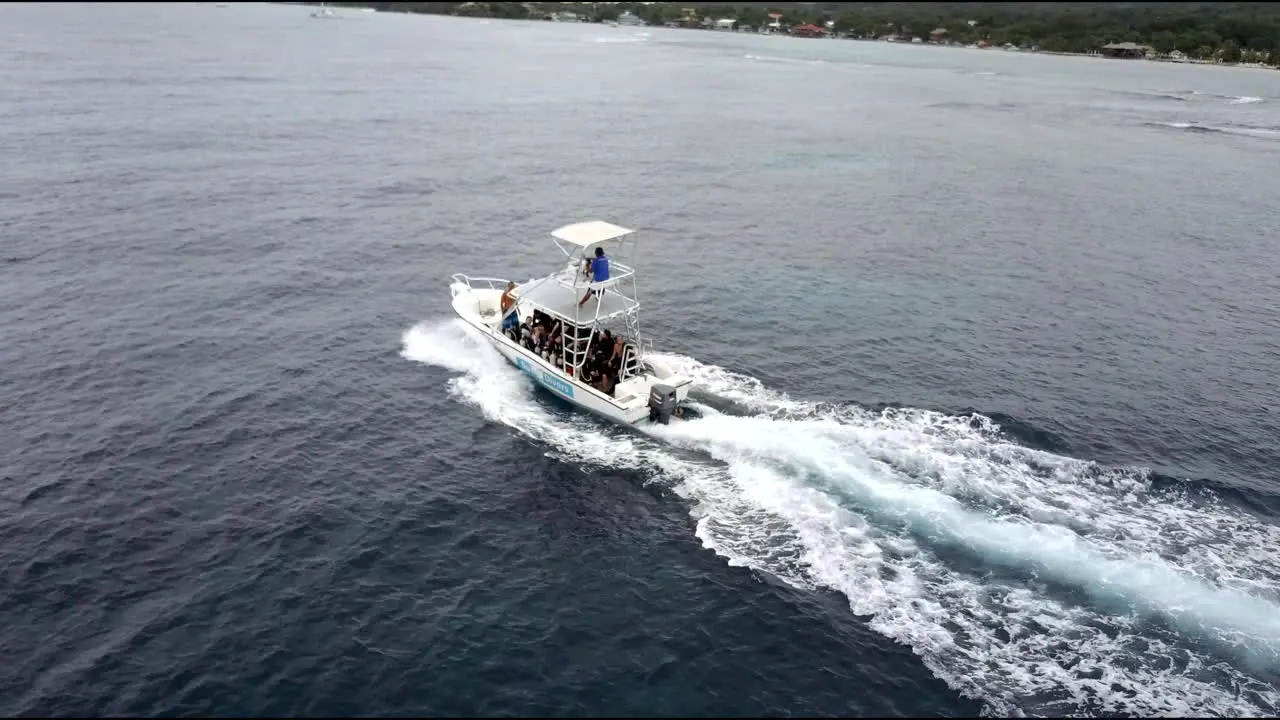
(664, 375)
(658, 394)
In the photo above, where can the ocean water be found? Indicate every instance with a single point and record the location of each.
(989, 343)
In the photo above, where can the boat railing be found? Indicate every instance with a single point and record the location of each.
(630, 363)
(465, 283)
(573, 278)
(490, 283)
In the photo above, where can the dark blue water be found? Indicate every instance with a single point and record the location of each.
(997, 331)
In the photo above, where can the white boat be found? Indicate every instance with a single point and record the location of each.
(646, 389)
(323, 12)
(628, 18)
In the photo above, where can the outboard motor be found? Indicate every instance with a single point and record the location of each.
(662, 403)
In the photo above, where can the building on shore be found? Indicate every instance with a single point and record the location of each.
(809, 31)
(1126, 50)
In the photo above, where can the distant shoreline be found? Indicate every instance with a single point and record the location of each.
(1100, 56)
(1170, 61)
(410, 11)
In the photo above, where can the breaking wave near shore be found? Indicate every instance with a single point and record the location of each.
(1040, 584)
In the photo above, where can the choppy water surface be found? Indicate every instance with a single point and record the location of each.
(986, 341)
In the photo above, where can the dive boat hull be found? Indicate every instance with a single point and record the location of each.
(628, 404)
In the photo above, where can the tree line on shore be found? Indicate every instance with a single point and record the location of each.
(1222, 31)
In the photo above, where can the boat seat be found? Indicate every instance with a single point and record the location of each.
(628, 390)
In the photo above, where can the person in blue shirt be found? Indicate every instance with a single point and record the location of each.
(510, 319)
(599, 273)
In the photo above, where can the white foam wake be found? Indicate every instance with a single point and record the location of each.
(636, 38)
(1038, 583)
(788, 60)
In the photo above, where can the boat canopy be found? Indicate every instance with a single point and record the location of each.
(554, 298)
(592, 232)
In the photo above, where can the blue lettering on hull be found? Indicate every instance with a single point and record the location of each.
(546, 378)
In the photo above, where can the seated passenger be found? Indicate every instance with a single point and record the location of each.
(619, 343)
(605, 383)
(599, 273)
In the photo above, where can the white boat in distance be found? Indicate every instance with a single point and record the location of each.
(646, 390)
(323, 13)
(628, 18)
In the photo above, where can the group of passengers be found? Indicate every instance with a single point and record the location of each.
(548, 338)
(602, 367)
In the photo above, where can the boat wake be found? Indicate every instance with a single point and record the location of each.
(633, 38)
(1192, 96)
(785, 60)
(1269, 133)
(1038, 583)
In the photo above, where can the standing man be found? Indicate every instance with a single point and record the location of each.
(509, 319)
(599, 273)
